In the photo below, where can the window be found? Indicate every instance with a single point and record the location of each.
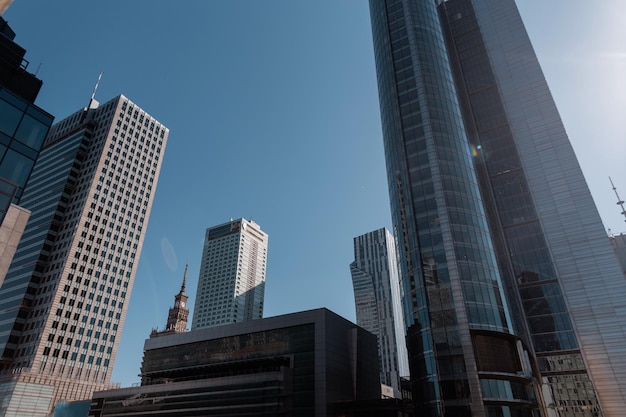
(9, 118)
(16, 167)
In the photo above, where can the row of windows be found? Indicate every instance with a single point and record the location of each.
(104, 244)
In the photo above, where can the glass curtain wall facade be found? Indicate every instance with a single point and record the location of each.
(47, 190)
(378, 307)
(294, 365)
(525, 252)
(569, 283)
(564, 286)
(461, 339)
(23, 128)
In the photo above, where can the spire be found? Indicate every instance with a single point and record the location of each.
(93, 95)
(93, 103)
(178, 315)
(182, 287)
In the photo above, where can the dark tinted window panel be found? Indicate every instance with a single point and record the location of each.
(16, 167)
(515, 204)
(31, 132)
(9, 118)
(529, 255)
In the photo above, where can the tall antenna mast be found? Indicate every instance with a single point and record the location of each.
(93, 95)
(93, 104)
(620, 202)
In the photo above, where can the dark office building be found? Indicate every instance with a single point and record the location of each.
(13, 66)
(292, 365)
(511, 291)
(23, 127)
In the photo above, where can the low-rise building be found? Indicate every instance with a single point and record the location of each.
(297, 364)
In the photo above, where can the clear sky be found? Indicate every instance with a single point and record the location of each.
(273, 114)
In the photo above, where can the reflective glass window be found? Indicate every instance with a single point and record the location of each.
(31, 132)
(503, 389)
(9, 118)
(16, 167)
(5, 201)
(5, 139)
(6, 187)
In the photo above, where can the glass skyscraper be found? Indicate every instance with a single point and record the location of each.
(23, 128)
(63, 302)
(377, 298)
(511, 293)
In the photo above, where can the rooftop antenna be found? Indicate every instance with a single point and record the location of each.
(620, 202)
(93, 104)
(93, 95)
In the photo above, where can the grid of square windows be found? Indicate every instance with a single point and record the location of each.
(94, 251)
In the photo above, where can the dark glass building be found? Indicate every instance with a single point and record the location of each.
(296, 365)
(23, 127)
(497, 232)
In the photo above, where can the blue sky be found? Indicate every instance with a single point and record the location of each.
(273, 114)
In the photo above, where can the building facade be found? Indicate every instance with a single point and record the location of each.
(618, 243)
(231, 284)
(378, 305)
(64, 300)
(291, 365)
(23, 128)
(462, 344)
(465, 69)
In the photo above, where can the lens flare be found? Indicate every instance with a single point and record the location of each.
(169, 255)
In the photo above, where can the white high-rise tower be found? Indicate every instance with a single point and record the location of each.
(231, 285)
(64, 299)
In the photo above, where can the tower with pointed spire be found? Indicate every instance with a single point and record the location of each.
(178, 315)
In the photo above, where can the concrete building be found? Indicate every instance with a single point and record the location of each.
(503, 252)
(231, 284)
(23, 127)
(64, 300)
(378, 305)
(296, 365)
